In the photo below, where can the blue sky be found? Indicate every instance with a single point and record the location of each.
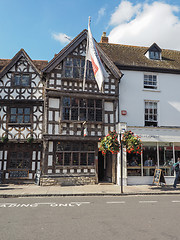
(39, 26)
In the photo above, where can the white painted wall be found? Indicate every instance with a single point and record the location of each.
(132, 96)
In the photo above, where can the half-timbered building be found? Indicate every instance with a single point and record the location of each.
(21, 117)
(75, 119)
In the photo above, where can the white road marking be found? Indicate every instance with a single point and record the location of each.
(175, 201)
(114, 202)
(148, 201)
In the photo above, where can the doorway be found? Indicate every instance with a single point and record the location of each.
(104, 167)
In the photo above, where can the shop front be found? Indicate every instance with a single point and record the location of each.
(161, 148)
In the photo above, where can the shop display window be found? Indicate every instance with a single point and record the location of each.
(155, 155)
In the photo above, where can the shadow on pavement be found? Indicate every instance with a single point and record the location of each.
(164, 188)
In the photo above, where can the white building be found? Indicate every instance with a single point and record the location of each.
(149, 106)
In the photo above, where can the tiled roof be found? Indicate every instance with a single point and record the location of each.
(127, 57)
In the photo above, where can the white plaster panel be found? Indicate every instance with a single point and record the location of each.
(108, 106)
(57, 170)
(38, 165)
(5, 164)
(50, 160)
(7, 175)
(78, 170)
(54, 103)
(5, 155)
(50, 126)
(49, 170)
(1, 154)
(92, 170)
(58, 82)
(71, 170)
(0, 165)
(85, 170)
(106, 130)
(56, 116)
(51, 81)
(92, 133)
(39, 155)
(30, 175)
(33, 166)
(106, 118)
(50, 146)
(111, 118)
(111, 129)
(56, 129)
(34, 155)
(50, 115)
(65, 171)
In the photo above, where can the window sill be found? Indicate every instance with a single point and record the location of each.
(19, 124)
(150, 90)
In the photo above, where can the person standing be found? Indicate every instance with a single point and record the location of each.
(176, 167)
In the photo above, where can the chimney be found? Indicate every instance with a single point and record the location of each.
(104, 39)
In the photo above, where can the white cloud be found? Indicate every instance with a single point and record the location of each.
(145, 24)
(101, 13)
(61, 37)
(124, 12)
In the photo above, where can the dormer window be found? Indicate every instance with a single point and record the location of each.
(154, 55)
(154, 52)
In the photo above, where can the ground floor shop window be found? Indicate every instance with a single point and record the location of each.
(155, 155)
(75, 153)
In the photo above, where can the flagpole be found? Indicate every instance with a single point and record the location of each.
(85, 65)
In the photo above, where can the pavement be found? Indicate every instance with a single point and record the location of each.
(33, 190)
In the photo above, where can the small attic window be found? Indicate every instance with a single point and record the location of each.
(154, 52)
(154, 55)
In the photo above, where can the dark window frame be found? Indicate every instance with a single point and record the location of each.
(80, 109)
(74, 68)
(73, 155)
(21, 115)
(21, 82)
(151, 114)
(150, 81)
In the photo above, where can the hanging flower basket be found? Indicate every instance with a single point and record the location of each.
(5, 139)
(132, 142)
(30, 139)
(109, 143)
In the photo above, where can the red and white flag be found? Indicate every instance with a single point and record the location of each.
(93, 56)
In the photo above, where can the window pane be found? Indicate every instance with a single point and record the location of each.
(25, 80)
(83, 159)
(82, 114)
(75, 159)
(74, 114)
(76, 62)
(20, 110)
(68, 72)
(68, 62)
(17, 80)
(13, 118)
(27, 111)
(26, 119)
(98, 115)
(20, 119)
(66, 113)
(91, 114)
(90, 103)
(76, 72)
(67, 159)
(74, 102)
(59, 158)
(66, 101)
(99, 103)
(13, 110)
(91, 159)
